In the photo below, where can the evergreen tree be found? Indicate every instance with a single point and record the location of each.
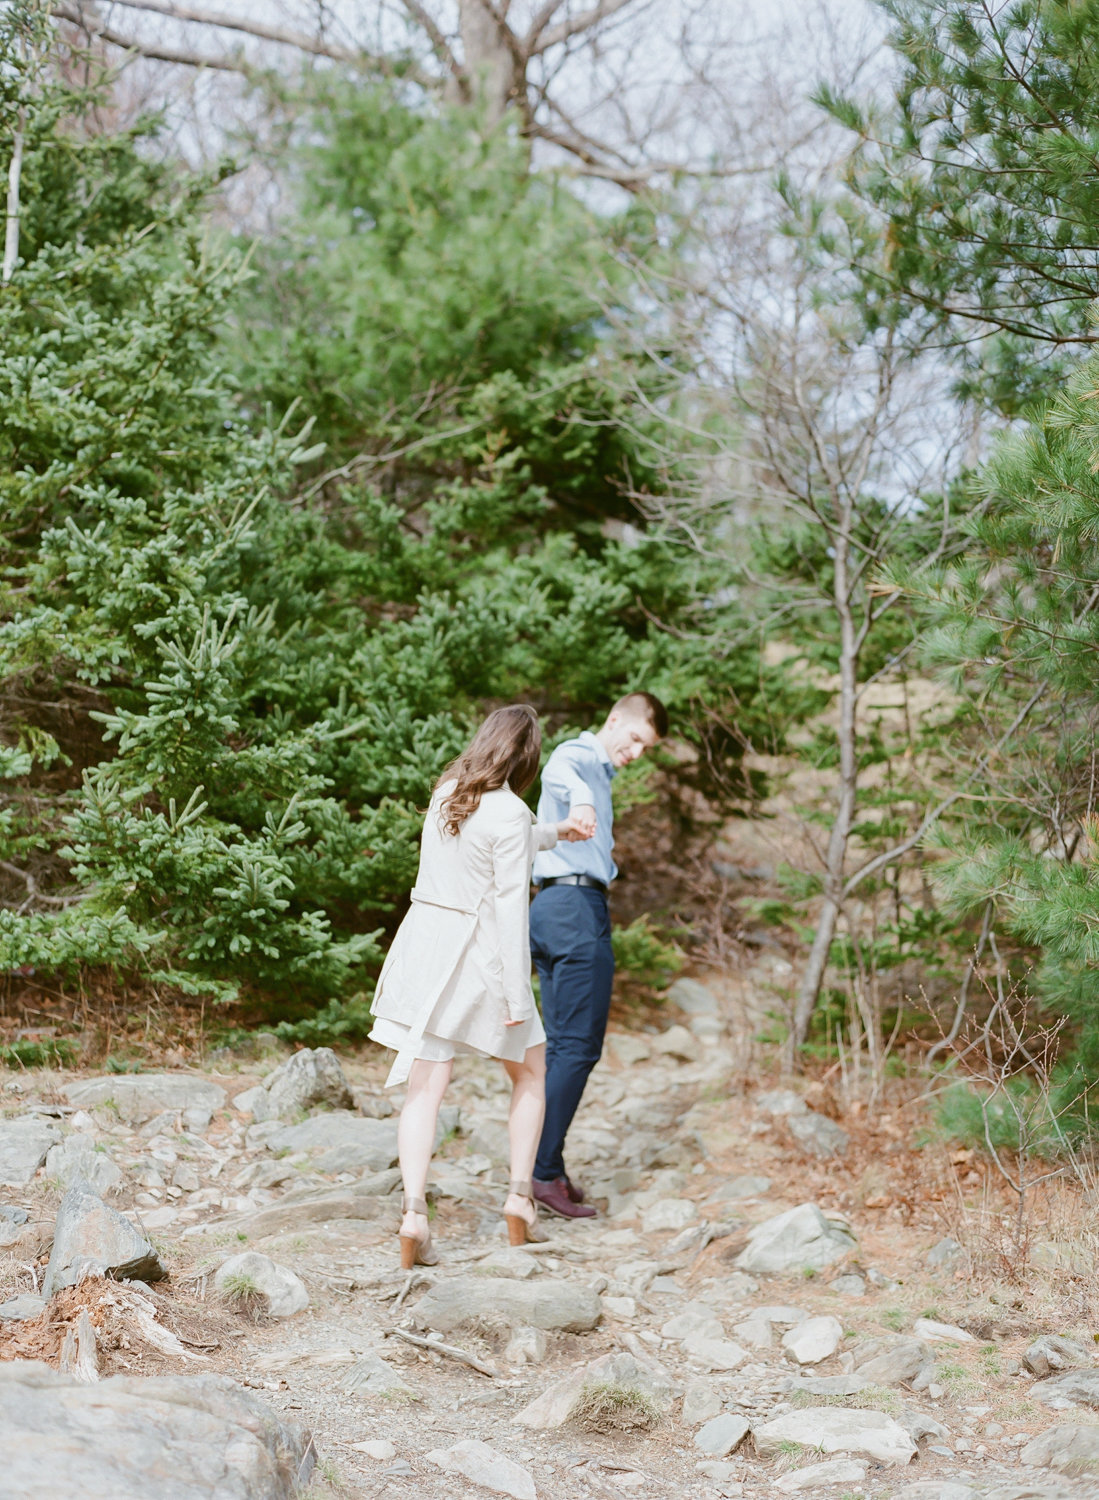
(976, 196)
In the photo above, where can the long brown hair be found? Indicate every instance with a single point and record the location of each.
(507, 747)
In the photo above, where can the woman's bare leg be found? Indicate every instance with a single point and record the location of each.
(427, 1083)
(528, 1106)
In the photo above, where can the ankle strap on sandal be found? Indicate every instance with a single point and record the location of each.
(413, 1205)
(521, 1189)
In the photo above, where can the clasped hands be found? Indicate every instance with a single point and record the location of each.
(578, 826)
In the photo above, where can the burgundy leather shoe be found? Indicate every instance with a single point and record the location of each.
(574, 1192)
(554, 1197)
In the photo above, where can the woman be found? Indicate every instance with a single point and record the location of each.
(457, 978)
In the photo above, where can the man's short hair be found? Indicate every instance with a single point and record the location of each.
(644, 706)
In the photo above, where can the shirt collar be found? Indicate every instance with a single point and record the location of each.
(593, 742)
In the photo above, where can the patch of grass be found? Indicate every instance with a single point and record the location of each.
(608, 1407)
(873, 1398)
(243, 1295)
(50, 1052)
(117, 1064)
(936, 1314)
(990, 1360)
(895, 1318)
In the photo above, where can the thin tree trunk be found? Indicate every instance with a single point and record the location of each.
(11, 222)
(488, 54)
(836, 855)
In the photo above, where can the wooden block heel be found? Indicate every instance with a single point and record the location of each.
(416, 1251)
(523, 1231)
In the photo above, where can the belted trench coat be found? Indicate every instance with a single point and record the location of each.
(459, 967)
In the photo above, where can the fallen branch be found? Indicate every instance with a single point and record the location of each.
(448, 1349)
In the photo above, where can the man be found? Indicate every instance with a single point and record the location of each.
(570, 930)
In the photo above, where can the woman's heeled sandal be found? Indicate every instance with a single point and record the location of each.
(414, 1250)
(522, 1231)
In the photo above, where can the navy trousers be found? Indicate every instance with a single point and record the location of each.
(570, 942)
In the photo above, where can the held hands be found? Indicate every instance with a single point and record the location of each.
(578, 826)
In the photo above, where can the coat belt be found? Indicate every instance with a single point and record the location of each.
(421, 900)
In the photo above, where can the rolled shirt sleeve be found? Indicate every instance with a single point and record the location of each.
(511, 884)
(545, 836)
(562, 778)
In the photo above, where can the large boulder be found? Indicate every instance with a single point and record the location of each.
(485, 1468)
(892, 1360)
(140, 1096)
(77, 1156)
(92, 1238)
(24, 1144)
(253, 1275)
(1051, 1353)
(818, 1136)
(127, 1438)
(1069, 1448)
(539, 1304)
(834, 1429)
(310, 1077)
(1078, 1387)
(813, 1340)
(800, 1239)
(340, 1142)
(622, 1371)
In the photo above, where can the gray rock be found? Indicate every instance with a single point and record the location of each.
(721, 1435)
(945, 1256)
(693, 998)
(340, 1141)
(371, 1375)
(1051, 1353)
(1035, 1490)
(283, 1291)
(833, 1429)
(849, 1286)
(486, 1468)
(755, 1332)
(539, 1304)
(713, 1354)
(10, 1214)
(307, 1078)
(780, 1102)
(629, 1049)
(128, 1438)
(936, 1489)
(492, 1140)
(668, 1213)
(526, 1346)
(832, 1471)
(19, 1309)
(554, 1406)
(137, 1097)
(945, 1333)
(700, 1401)
(813, 1340)
(677, 1042)
(919, 1425)
(89, 1236)
(1069, 1448)
(77, 1156)
(24, 1144)
(818, 1135)
(798, 1239)
(892, 1361)
(741, 1187)
(827, 1385)
(695, 1317)
(1078, 1387)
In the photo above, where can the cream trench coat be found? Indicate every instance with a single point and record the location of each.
(459, 967)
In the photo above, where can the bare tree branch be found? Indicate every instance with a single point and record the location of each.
(228, 22)
(576, 25)
(439, 44)
(91, 24)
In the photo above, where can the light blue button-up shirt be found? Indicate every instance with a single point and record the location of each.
(578, 773)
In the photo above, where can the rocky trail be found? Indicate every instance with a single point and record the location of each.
(759, 1311)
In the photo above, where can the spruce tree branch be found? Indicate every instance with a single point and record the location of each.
(227, 22)
(90, 23)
